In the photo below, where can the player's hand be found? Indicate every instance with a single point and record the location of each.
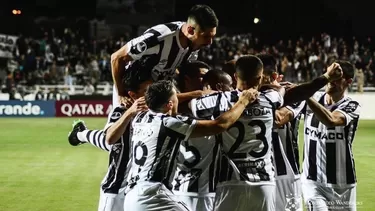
(127, 101)
(334, 72)
(138, 106)
(288, 85)
(279, 78)
(249, 96)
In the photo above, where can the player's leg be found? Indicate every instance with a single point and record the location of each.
(314, 197)
(264, 197)
(344, 199)
(206, 203)
(288, 194)
(80, 135)
(106, 201)
(189, 201)
(245, 198)
(151, 196)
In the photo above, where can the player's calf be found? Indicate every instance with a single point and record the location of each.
(80, 135)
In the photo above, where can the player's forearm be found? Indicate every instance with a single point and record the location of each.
(220, 124)
(283, 116)
(230, 117)
(323, 115)
(304, 91)
(114, 133)
(187, 96)
(118, 66)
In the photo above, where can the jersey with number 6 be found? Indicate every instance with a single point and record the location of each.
(156, 140)
(246, 145)
(328, 153)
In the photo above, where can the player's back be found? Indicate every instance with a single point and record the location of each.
(247, 144)
(285, 145)
(196, 166)
(159, 50)
(156, 139)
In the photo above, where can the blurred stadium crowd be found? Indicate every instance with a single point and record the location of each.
(70, 59)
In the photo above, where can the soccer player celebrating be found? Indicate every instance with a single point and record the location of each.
(194, 181)
(246, 179)
(285, 144)
(157, 135)
(161, 49)
(331, 120)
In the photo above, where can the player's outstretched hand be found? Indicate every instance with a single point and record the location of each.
(334, 72)
(249, 96)
(138, 106)
(279, 78)
(287, 85)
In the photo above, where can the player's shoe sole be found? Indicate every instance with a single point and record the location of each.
(78, 126)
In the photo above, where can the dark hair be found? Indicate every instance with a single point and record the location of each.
(215, 76)
(190, 69)
(230, 67)
(269, 63)
(204, 16)
(347, 69)
(247, 67)
(134, 76)
(158, 94)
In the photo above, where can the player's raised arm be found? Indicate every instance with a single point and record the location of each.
(224, 121)
(120, 121)
(342, 116)
(306, 90)
(135, 49)
(288, 113)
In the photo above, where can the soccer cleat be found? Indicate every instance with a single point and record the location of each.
(78, 126)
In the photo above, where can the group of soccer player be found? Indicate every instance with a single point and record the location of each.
(183, 136)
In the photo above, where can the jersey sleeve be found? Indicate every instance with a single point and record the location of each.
(115, 115)
(205, 107)
(146, 44)
(181, 125)
(297, 108)
(275, 97)
(350, 109)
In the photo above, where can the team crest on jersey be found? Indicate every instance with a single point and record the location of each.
(351, 107)
(115, 115)
(141, 47)
(293, 203)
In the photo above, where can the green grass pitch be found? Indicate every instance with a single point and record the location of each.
(40, 171)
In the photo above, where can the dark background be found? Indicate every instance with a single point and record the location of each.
(279, 19)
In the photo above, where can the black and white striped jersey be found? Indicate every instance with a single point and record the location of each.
(159, 50)
(246, 145)
(195, 174)
(285, 145)
(156, 141)
(119, 156)
(328, 153)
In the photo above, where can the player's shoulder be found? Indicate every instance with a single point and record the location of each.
(175, 121)
(117, 112)
(270, 94)
(165, 30)
(349, 105)
(318, 95)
